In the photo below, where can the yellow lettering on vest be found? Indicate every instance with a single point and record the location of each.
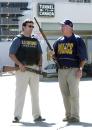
(29, 43)
(65, 48)
(61, 49)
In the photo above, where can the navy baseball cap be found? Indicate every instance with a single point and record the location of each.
(67, 22)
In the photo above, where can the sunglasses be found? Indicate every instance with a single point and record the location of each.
(30, 26)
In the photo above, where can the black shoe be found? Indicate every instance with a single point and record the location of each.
(39, 119)
(16, 120)
(66, 119)
(73, 120)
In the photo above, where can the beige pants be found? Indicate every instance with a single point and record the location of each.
(23, 79)
(69, 87)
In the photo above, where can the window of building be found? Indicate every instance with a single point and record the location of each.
(81, 1)
(87, 1)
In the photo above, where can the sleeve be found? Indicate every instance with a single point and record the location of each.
(81, 50)
(14, 46)
(39, 48)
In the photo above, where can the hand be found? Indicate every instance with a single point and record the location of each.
(40, 68)
(22, 67)
(79, 73)
(51, 54)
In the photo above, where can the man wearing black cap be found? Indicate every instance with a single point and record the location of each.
(70, 54)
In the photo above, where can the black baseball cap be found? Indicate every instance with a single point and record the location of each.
(68, 22)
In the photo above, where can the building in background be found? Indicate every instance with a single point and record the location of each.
(10, 13)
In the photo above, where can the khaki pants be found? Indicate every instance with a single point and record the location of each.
(69, 87)
(23, 79)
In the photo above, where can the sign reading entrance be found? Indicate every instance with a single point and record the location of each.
(46, 10)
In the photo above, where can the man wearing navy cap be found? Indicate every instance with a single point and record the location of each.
(71, 55)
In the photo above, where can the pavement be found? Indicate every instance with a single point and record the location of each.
(51, 105)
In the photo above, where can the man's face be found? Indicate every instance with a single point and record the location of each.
(66, 29)
(28, 28)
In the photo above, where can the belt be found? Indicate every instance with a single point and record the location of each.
(64, 67)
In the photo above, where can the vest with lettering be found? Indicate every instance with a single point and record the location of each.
(28, 51)
(66, 52)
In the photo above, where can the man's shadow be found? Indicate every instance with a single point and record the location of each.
(83, 124)
(37, 124)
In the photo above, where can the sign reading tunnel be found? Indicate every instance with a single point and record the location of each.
(46, 10)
